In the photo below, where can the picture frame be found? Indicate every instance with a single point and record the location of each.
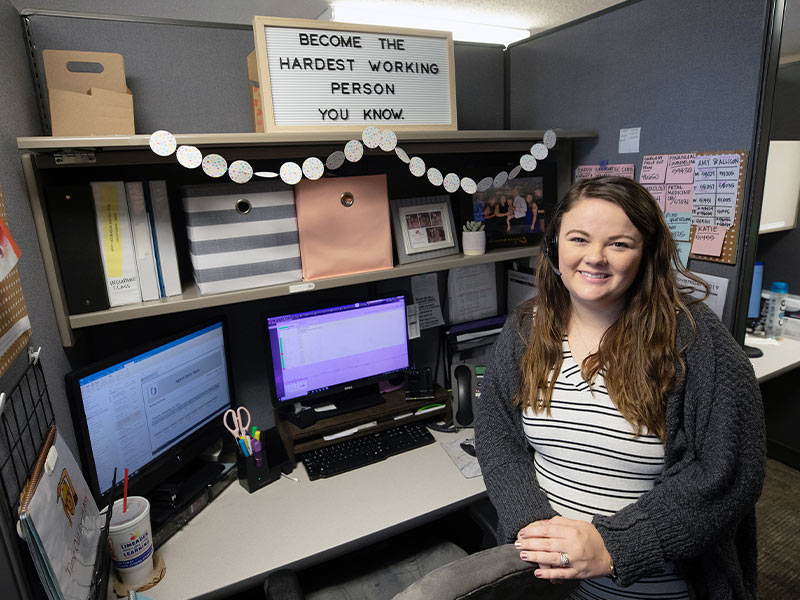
(316, 75)
(514, 213)
(423, 228)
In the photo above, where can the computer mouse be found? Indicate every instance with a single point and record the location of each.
(468, 446)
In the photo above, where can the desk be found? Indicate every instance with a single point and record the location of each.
(298, 524)
(779, 357)
(302, 523)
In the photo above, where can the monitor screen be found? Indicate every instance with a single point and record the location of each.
(150, 411)
(318, 353)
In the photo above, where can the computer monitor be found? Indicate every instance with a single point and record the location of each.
(151, 410)
(754, 305)
(337, 354)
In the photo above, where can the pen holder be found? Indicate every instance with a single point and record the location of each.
(251, 476)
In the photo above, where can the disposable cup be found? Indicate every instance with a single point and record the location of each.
(130, 541)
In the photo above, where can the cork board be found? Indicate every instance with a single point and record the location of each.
(15, 327)
(718, 183)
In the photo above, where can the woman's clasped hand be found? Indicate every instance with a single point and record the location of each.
(557, 541)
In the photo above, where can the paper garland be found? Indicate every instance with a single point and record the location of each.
(164, 143)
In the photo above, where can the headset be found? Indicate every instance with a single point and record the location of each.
(551, 243)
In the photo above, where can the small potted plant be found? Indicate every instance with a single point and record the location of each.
(473, 238)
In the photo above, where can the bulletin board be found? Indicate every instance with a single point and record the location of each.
(15, 327)
(700, 194)
(723, 211)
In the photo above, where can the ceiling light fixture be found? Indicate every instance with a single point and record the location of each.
(379, 14)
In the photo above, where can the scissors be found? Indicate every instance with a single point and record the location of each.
(239, 428)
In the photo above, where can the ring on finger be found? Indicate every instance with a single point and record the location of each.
(564, 559)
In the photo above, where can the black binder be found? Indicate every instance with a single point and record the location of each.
(74, 227)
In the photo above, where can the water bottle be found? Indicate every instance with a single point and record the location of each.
(777, 306)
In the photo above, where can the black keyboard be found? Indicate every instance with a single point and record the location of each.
(357, 452)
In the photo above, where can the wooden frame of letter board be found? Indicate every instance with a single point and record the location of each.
(728, 254)
(265, 83)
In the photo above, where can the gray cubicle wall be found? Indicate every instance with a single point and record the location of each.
(18, 117)
(779, 250)
(191, 77)
(688, 73)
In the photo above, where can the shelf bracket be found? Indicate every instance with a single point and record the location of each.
(74, 158)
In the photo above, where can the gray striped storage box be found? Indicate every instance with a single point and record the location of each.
(241, 236)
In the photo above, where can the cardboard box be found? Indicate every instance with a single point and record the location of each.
(256, 114)
(87, 93)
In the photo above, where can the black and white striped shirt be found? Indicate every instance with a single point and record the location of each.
(589, 461)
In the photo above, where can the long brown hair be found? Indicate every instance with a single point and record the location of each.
(637, 353)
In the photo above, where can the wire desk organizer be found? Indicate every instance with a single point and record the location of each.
(26, 416)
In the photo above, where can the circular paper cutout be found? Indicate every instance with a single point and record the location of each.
(189, 156)
(265, 174)
(500, 179)
(539, 151)
(527, 162)
(214, 165)
(353, 151)
(468, 185)
(435, 176)
(401, 154)
(549, 138)
(512, 174)
(291, 173)
(388, 140)
(163, 143)
(240, 171)
(371, 136)
(451, 182)
(313, 168)
(335, 160)
(417, 166)
(485, 183)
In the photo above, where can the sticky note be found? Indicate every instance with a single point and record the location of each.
(654, 169)
(659, 192)
(680, 168)
(683, 252)
(679, 197)
(708, 239)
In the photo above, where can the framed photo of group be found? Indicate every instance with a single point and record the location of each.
(423, 228)
(513, 214)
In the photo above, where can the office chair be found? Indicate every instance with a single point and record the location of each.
(493, 574)
(376, 573)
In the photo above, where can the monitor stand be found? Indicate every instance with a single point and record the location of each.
(337, 404)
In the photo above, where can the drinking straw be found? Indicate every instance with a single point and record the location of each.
(125, 492)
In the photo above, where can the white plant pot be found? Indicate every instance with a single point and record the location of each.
(473, 242)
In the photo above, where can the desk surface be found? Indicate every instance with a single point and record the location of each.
(302, 523)
(779, 357)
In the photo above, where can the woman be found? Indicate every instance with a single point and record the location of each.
(639, 463)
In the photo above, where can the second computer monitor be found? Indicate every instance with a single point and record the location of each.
(337, 353)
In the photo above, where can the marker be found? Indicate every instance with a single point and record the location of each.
(258, 435)
(257, 452)
(253, 431)
(243, 446)
(429, 408)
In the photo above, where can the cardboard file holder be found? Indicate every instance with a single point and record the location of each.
(256, 110)
(87, 93)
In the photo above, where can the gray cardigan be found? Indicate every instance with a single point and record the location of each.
(700, 513)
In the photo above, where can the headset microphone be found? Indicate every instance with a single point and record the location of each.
(548, 254)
